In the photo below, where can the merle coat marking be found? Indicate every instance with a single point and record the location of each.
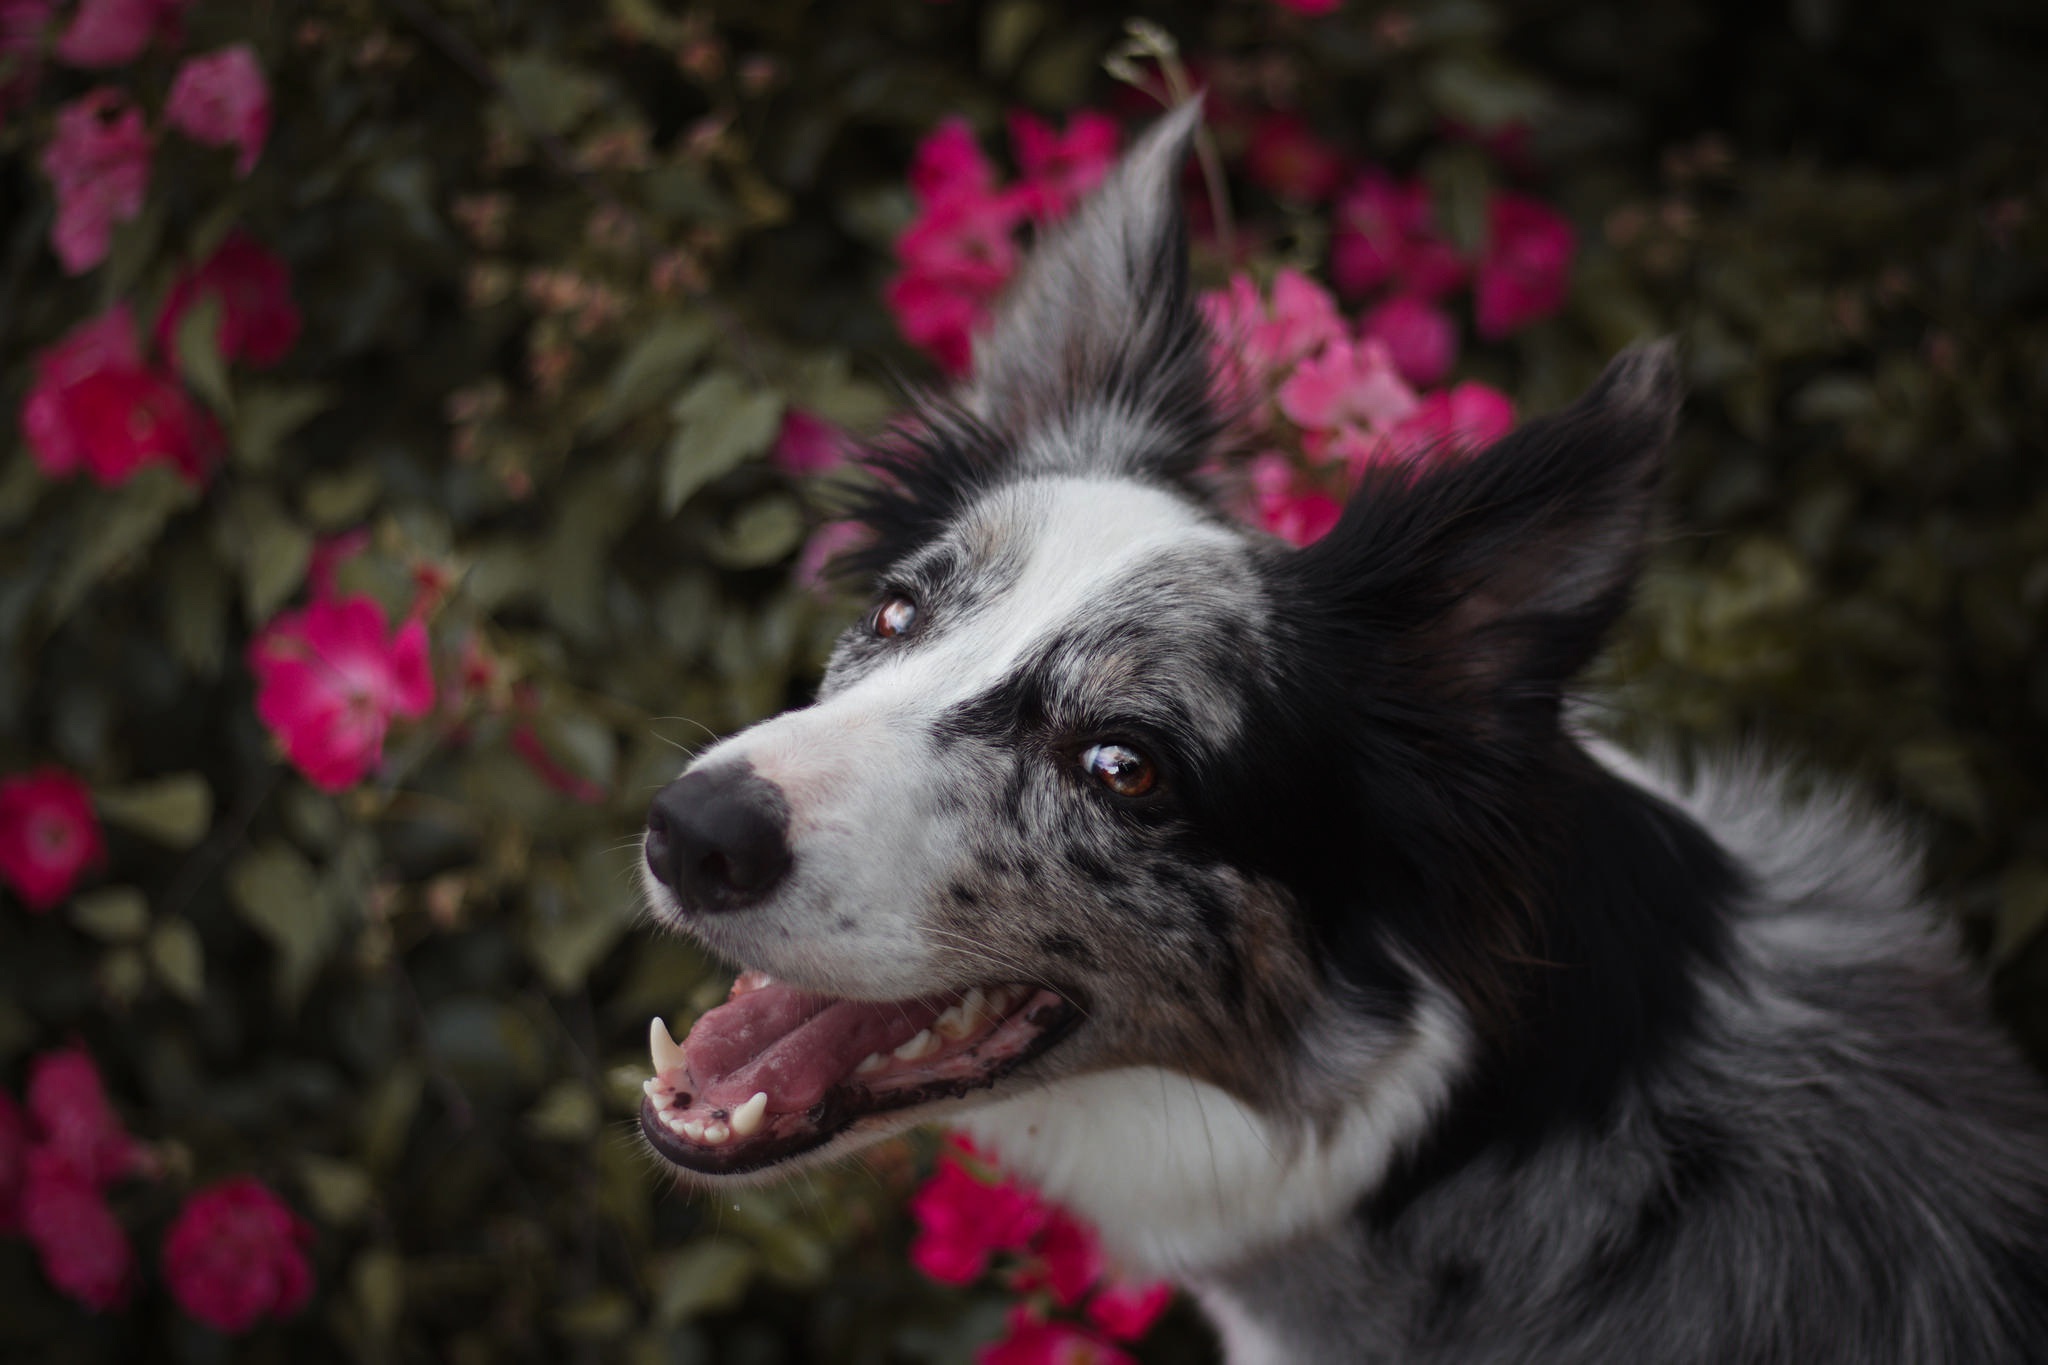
(1415, 1028)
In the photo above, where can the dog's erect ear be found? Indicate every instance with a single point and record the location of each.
(1498, 576)
(1097, 359)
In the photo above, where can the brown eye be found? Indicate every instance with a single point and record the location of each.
(1120, 768)
(895, 617)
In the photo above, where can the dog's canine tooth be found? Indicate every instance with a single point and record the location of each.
(667, 1053)
(747, 1118)
(923, 1045)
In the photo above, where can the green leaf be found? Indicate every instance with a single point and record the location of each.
(566, 1113)
(339, 1191)
(179, 960)
(651, 369)
(197, 347)
(377, 1283)
(706, 1278)
(342, 498)
(1481, 90)
(122, 974)
(720, 422)
(175, 811)
(270, 413)
(280, 897)
(275, 551)
(551, 94)
(570, 927)
(761, 532)
(127, 521)
(116, 914)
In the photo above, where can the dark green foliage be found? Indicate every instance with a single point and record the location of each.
(564, 267)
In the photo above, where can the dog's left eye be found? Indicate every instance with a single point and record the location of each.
(1120, 768)
(895, 616)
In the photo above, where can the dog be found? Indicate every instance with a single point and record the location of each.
(1266, 905)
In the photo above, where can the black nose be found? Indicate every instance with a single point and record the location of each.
(719, 838)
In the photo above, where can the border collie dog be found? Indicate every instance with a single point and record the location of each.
(1263, 905)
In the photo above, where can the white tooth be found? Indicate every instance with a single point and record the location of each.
(715, 1133)
(667, 1054)
(648, 1087)
(974, 1004)
(870, 1064)
(694, 1130)
(923, 1045)
(747, 1117)
(955, 1023)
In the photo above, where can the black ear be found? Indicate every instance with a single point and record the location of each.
(1495, 578)
(1097, 359)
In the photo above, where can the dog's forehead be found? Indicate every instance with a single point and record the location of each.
(1114, 591)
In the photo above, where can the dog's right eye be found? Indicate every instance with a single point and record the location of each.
(895, 616)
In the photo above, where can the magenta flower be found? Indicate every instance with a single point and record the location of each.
(1059, 169)
(259, 322)
(222, 100)
(1347, 386)
(98, 164)
(1387, 234)
(97, 406)
(963, 1220)
(331, 678)
(826, 544)
(1460, 420)
(948, 163)
(75, 1124)
(49, 835)
(1127, 1311)
(1257, 342)
(236, 1254)
(1314, 9)
(115, 32)
(84, 1251)
(1526, 270)
(1286, 158)
(1421, 338)
(807, 445)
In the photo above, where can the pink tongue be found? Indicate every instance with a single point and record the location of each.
(794, 1046)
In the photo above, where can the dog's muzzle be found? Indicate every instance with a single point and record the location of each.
(719, 838)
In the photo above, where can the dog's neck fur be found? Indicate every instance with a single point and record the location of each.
(1696, 1199)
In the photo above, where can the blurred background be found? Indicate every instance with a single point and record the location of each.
(422, 422)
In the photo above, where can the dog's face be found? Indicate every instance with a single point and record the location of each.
(1103, 785)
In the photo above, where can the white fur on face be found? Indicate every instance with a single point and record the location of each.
(1181, 1177)
(861, 770)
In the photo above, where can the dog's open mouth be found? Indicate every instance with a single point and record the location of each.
(776, 1071)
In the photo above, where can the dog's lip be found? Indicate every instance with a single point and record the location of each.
(704, 1129)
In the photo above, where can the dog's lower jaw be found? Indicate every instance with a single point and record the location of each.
(1182, 1178)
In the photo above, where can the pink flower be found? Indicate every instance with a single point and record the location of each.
(949, 162)
(1527, 267)
(329, 554)
(963, 1220)
(83, 1249)
(235, 1254)
(1386, 233)
(98, 163)
(1127, 1311)
(14, 1148)
(1035, 1342)
(1059, 169)
(807, 445)
(1347, 385)
(1421, 338)
(259, 322)
(48, 835)
(115, 32)
(97, 406)
(221, 99)
(1460, 420)
(329, 681)
(1286, 158)
(827, 543)
(1256, 342)
(1286, 504)
(1066, 1257)
(76, 1126)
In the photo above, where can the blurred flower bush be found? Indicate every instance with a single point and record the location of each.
(421, 422)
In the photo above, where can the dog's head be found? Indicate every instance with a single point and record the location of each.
(1104, 781)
